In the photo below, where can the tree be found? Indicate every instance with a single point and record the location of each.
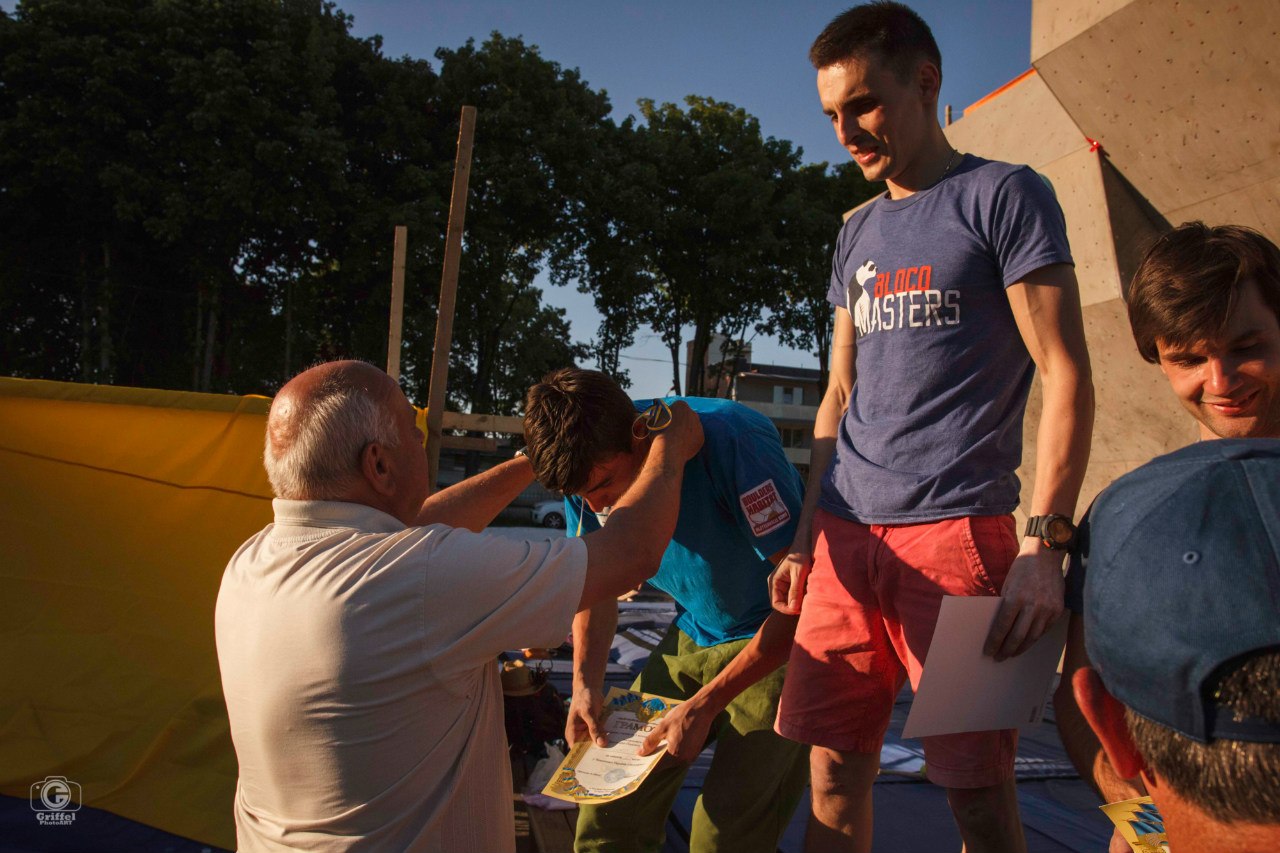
(811, 215)
(685, 232)
(167, 168)
(538, 129)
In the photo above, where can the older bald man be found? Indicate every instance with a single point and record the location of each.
(357, 633)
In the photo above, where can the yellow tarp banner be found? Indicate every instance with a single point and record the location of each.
(119, 508)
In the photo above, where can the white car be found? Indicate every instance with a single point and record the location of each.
(549, 514)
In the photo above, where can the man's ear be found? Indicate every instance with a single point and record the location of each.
(1106, 717)
(929, 80)
(376, 467)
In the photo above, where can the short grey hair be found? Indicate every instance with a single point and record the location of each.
(321, 459)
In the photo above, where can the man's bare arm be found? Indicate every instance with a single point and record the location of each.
(476, 501)
(1081, 743)
(593, 631)
(687, 726)
(1046, 306)
(786, 584)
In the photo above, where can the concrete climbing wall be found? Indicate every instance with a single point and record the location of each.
(1025, 124)
(1182, 95)
(1056, 22)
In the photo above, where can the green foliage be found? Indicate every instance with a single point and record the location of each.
(202, 195)
(538, 127)
(191, 189)
(810, 217)
(696, 219)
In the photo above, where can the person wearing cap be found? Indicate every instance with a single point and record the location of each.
(1204, 305)
(1180, 571)
(724, 653)
(357, 634)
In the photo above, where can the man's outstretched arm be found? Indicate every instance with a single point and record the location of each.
(786, 584)
(1046, 306)
(593, 631)
(476, 501)
(687, 726)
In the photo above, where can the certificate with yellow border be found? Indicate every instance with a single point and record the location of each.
(595, 774)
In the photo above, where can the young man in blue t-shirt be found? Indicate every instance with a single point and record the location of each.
(724, 653)
(949, 292)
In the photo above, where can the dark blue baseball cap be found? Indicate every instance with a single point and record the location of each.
(1182, 575)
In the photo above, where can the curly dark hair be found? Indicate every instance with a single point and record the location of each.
(575, 419)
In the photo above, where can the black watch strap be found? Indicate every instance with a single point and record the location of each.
(1055, 531)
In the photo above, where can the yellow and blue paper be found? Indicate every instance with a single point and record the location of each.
(1139, 823)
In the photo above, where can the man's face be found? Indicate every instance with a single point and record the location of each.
(882, 121)
(410, 454)
(609, 479)
(1231, 384)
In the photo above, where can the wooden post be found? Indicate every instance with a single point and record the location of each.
(948, 115)
(397, 303)
(449, 290)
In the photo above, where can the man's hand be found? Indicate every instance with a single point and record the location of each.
(1118, 844)
(685, 729)
(1031, 601)
(684, 433)
(584, 717)
(786, 584)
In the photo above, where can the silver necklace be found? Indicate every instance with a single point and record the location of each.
(951, 161)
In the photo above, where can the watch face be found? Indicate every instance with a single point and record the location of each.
(1059, 530)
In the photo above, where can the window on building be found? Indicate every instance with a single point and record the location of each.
(792, 436)
(788, 395)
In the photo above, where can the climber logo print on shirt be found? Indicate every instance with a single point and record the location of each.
(764, 508)
(901, 299)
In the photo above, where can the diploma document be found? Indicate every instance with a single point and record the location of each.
(594, 774)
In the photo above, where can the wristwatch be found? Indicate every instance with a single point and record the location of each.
(1055, 531)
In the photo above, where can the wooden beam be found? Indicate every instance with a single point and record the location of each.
(483, 423)
(397, 303)
(467, 442)
(449, 289)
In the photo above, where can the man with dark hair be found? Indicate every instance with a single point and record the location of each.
(1205, 306)
(725, 651)
(950, 292)
(1181, 593)
(357, 634)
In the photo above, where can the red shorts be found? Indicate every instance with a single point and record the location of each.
(866, 621)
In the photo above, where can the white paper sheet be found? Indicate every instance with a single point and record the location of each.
(963, 690)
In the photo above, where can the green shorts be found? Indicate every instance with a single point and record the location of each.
(756, 777)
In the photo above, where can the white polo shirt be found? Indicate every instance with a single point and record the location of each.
(358, 666)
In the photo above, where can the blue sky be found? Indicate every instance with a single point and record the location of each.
(750, 52)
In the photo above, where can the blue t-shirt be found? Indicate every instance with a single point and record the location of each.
(739, 503)
(934, 425)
